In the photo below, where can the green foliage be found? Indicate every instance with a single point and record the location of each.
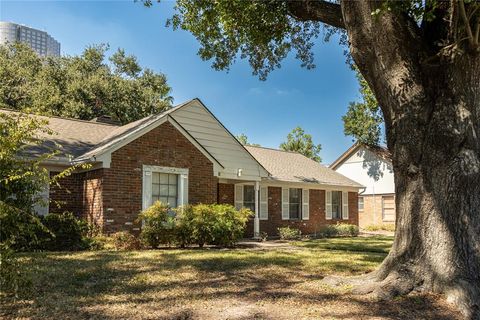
(243, 139)
(82, 87)
(339, 230)
(288, 233)
(197, 224)
(66, 232)
(124, 240)
(11, 278)
(261, 31)
(363, 119)
(301, 142)
(158, 225)
(378, 227)
(211, 224)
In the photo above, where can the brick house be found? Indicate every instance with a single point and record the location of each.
(186, 156)
(371, 167)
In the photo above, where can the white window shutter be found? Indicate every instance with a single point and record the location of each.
(328, 205)
(305, 204)
(263, 203)
(238, 196)
(183, 186)
(345, 205)
(285, 204)
(147, 189)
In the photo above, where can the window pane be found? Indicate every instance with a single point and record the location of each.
(172, 190)
(155, 177)
(163, 178)
(163, 190)
(156, 189)
(172, 179)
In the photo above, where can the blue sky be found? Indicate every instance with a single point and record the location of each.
(264, 110)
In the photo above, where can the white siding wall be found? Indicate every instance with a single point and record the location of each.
(366, 168)
(218, 142)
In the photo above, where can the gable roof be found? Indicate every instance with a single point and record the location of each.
(380, 151)
(86, 141)
(295, 167)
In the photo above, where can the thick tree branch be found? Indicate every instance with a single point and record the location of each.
(317, 10)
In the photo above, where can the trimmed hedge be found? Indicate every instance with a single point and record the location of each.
(339, 230)
(287, 233)
(200, 224)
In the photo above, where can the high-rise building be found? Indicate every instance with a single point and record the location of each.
(38, 40)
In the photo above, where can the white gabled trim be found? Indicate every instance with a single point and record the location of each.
(199, 103)
(216, 165)
(105, 155)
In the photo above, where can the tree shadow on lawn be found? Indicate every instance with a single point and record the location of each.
(88, 285)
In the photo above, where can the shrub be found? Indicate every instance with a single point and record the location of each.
(158, 225)
(210, 224)
(288, 233)
(230, 224)
(377, 227)
(124, 240)
(66, 232)
(339, 230)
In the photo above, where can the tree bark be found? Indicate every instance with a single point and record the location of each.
(432, 118)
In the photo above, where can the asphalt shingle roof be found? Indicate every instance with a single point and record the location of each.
(295, 167)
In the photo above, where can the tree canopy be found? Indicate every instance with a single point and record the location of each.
(301, 142)
(243, 139)
(82, 87)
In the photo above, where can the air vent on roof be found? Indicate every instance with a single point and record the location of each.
(106, 119)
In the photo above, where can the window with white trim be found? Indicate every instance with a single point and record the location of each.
(360, 203)
(166, 184)
(337, 204)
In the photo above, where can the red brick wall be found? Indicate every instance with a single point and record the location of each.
(226, 193)
(162, 146)
(92, 197)
(68, 195)
(317, 213)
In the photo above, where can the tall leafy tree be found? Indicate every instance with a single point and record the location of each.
(301, 142)
(422, 61)
(82, 87)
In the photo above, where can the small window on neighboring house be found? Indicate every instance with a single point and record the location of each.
(388, 208)
(360, 203)
(295, 203)
(337, 204)
(249, 197)
(165, 188)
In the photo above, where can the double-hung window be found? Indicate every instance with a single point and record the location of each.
(165, 184)
(336, 204)
(295, 203)
(249, 197)
(361, 204)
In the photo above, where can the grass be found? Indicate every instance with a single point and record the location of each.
(282, 283)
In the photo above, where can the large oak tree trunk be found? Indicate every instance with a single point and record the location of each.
(432, 116)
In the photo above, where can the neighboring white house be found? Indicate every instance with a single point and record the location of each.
(371, 167)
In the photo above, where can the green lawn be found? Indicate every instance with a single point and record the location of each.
(283, 283)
